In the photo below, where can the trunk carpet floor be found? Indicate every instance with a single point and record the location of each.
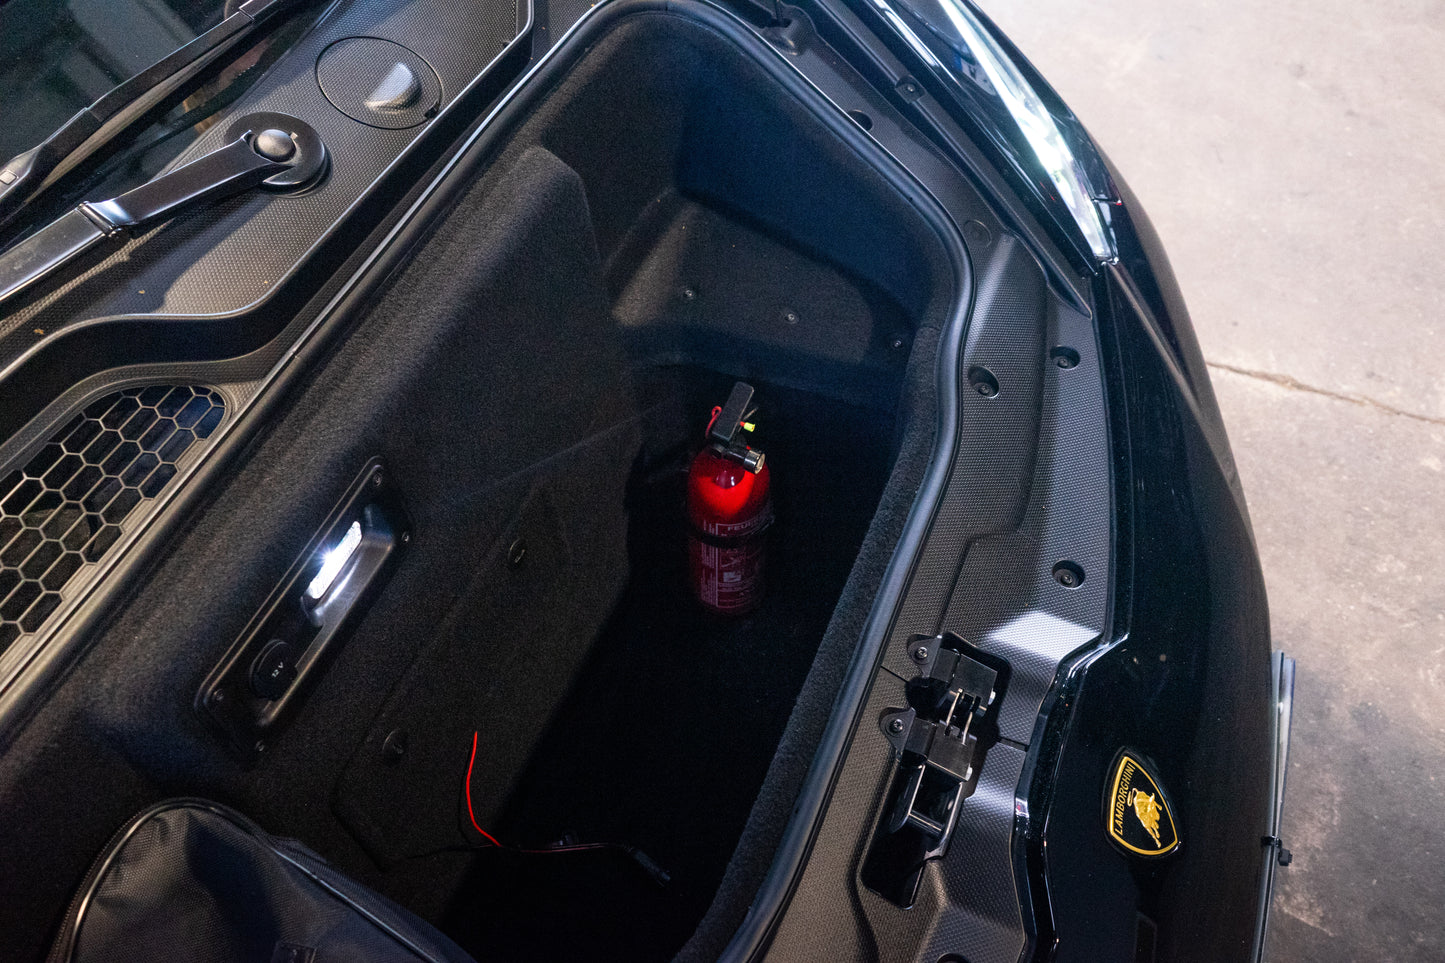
(665, 741)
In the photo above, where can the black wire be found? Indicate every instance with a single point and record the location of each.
(644, 862)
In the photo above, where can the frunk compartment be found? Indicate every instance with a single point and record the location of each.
(660, 219)
(711, 229)
(737, 237)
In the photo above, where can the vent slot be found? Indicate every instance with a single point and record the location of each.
(88, 486)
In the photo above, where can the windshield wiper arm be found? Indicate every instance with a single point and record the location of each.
(24, 175)
(291, 159)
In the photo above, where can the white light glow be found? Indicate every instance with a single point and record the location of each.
(333, 562)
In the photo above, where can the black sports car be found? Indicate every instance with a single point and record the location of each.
(531, 479)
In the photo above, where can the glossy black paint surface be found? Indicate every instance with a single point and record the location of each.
(1185, 681)
(1146, 267)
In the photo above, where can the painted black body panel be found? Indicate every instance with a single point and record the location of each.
(1186, 680)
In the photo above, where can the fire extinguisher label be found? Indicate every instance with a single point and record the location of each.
(738, 529)
(728, 578)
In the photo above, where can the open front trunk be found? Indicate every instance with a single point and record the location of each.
(665, 222)
(662, 220)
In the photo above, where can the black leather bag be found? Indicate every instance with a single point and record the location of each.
(190, 880)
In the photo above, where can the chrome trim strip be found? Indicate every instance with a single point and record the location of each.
(1281, 722)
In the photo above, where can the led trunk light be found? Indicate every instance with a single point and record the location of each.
(326, 589)
(333, 562)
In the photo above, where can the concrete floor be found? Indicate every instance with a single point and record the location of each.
(1290, 155)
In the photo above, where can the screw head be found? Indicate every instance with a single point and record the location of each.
(896, 726)
(985, 389)
(405, 537)
(1065, 357)
(260, 745)
(920, 654)
(516, 552)
(790, 317)
(688, 294)
(376, 480)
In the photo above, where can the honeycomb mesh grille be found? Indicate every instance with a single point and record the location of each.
(71, 502)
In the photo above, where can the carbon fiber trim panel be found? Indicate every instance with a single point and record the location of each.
(986, 572)
(1008, 600)
(1004, 597)
(1005, 333)
(968, 902)
(972, 888)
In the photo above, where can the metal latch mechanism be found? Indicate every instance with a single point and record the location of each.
(939, 740)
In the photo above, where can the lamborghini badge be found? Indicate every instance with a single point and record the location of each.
(1139, 816)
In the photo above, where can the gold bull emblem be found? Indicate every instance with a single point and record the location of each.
(1146, 807)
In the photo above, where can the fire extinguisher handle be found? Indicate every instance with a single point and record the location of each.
(725, 426)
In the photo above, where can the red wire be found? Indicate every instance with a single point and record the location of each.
(470, 813)
(661, 877)
(573, 848)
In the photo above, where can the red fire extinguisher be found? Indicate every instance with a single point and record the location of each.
(729, 507)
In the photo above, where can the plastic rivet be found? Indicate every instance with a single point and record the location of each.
(1069, 575)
